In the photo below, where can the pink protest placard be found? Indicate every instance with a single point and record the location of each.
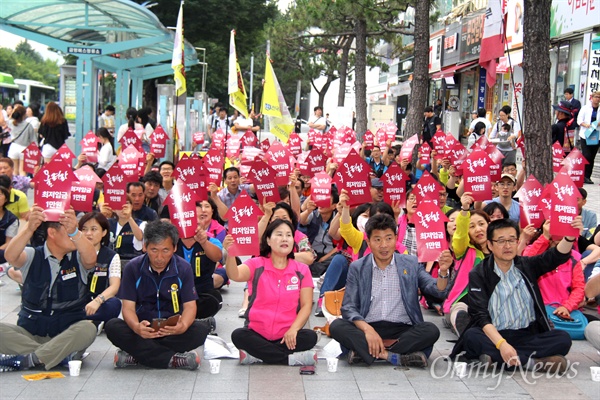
(439, 144)
(248, 139)
(158, 142)
(218, 139)
(341, 152)
(390, 131)
(115, 187)
(476, 170)
(64, 153)
(294, 144)
(53, 189)
(264, 179)
(181, 201)
(427, 188)
(242, 218)
(264, 145)
(496, 157)
(131, 139)
(82, 189)
(574, 164)
(190, 171)
(558, 154)
(213, 166)
(408, 147)
(233, 146)
(129, 163)
(380, 137)
(199, 137)
(278, 158)
(394, 185)
(369, 140)
(425, 151)
(545, 203)
(320, 189)
(89, 147)
(353, 173)
(431, 231)
(315, 162)
(529, 199)
(563, 197)
(31, 158)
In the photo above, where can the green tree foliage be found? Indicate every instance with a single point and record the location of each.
(25, 63)
(207, 24)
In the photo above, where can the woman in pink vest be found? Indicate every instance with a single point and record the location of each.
(280, 290)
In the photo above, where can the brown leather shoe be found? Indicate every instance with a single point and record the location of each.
(553, 364)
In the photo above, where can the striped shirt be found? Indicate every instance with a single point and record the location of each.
(511, 304)
(386, 298)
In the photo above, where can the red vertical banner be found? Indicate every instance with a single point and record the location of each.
(563, 198)
(242, 218)
(182, 209)
(394, 185)
(320, 189)
(477, 180)
(431, 231)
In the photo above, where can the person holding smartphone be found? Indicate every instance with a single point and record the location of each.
(158, 285)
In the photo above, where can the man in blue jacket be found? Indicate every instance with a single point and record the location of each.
(381, 302)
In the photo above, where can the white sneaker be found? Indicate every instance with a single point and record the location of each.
(301, 358)
(247, 359)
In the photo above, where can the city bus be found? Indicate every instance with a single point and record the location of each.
(9, 91)
(35, 92)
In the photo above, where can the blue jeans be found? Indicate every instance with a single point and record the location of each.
(335, 278)
(107, 311)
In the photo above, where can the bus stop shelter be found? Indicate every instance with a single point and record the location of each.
(119, 36)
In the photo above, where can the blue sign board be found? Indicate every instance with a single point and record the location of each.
(84, 50)
(481, 89)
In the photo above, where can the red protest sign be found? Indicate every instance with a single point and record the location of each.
(264, 179)
(129, 163)
(545, 203)
(496, 156)
(431, 231)
(181, 201)
(439, 144)
(233, 146)
(131, 139)
(315, 162)
(294, 144)
(558, 154)
(529, 198)
(264, 145)
(190, 171)
(425, 151)
(249, 154)
(341, 152)
(320, 189)
(64, 153)
(242, 219)
(53, 189)
(369, 140)
(563, 197)
(319, 141)
(115, 187)
(390, 131)
(278, 158)
(199, 137)
(82, 189)
(476, 170)
(249, 139)
(427, 188)
(218, 139)
(380, 135)
(213, 165)
(408, 147)
(575, 166)
(31, 158)
(158, 142)
(394, 185)
(89, 147)
(353, 175)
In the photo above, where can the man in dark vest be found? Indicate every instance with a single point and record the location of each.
(51, 328)
(155, 287)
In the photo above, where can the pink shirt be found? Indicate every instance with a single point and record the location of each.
(275, 300)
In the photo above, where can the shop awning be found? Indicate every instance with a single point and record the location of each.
(448, 72)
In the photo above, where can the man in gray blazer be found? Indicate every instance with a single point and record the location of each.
(381, 302)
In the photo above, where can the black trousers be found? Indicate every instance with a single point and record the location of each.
(271, 351)
(411, 338)
(155, 353)
(589, 152)
(526, 343)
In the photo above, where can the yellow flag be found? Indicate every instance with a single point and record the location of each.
(274, 106)
(177, 63)
(236, 89)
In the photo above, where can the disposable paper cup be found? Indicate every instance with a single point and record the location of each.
(332, 364)
(595, 373)
(74, 367)
(215, 366)
(460, 368)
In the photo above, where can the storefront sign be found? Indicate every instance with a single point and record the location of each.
(481, 89)
(451, 53)
(435, 54)
(573, 15)
(472, 33)
(514, 23)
